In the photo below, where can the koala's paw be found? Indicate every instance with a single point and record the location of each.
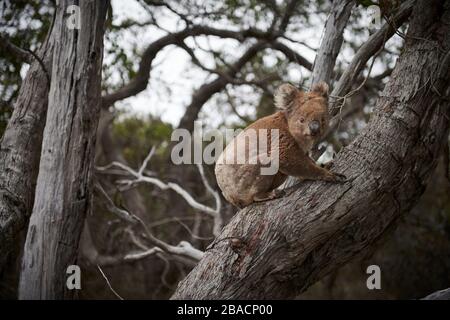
(278, 193)
(274, 194)
(339, 177)
(327, 165)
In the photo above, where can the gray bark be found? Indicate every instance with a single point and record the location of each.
(279, 248)
(439, 295)
(20, 150)
(63, 191)
(332, 41)
(369, 49)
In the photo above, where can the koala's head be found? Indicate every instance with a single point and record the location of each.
(306, 112)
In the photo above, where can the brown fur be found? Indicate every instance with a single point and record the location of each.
(242, 184)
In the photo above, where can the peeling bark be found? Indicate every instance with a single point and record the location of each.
(279, 248)
(64, 189)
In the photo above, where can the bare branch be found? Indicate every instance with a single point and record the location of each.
(27, 56)
(291, 54)
(108, 283)
(146, 160)
(206, 91)
(288, 12)
(140, 81)
(232, 80)
(369, 48)
(164, 4)
(140, 178)
(122, 214)
(141, 255)
(183, 248)
(234, 107)
(22, 54)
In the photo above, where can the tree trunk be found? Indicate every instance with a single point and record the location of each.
(63, 191)
(20, 150)
(279, 248)
(332, 41)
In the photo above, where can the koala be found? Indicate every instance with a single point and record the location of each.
(301, 121)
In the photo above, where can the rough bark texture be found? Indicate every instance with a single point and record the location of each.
(419, 242)
(20, 150)
(63, 191)
(332, 41)
(278, 249)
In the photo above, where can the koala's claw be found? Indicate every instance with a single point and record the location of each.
(339, 177)
(274, 194)
(278, 193)
(327, 165)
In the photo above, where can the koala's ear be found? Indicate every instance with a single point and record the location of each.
(321, 88)
(285, 95)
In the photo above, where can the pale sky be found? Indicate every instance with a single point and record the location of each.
(173, 64)
(173, 71)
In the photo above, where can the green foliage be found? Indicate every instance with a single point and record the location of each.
(25, 24)
(138, 135)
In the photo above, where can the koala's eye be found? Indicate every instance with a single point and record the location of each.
(302, 120)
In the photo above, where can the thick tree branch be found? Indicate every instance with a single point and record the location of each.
(291, 54)
(22, 54)
(332, 41)
(288, 13)
(20, 150)
(279, 248)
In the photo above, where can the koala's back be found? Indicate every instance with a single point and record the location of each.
(240, 182)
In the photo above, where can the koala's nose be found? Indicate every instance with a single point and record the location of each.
(314, 127)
